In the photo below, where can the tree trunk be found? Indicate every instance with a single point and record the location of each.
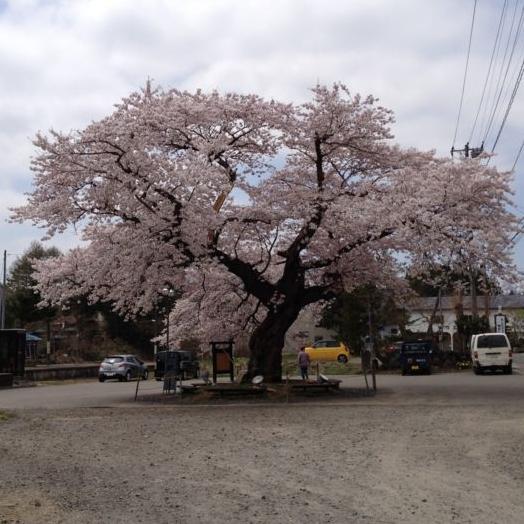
(267, 341)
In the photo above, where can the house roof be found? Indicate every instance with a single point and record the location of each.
(450, 302)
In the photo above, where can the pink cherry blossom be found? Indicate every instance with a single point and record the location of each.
(255, 210)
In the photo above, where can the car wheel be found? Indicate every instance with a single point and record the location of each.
(342, 359)
(128, 376)
(145, 375)
(101, 378)
(508, 370)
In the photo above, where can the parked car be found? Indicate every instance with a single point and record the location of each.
(180, 363)
(491, 351)
(122, 367)
(328, 350)
(416, 357)
(390, 355)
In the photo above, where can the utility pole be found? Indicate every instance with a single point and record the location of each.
(473, 293)
(371, 347)
(4, 290)
(441, 327)
(167, 330)
(468, 151)
(170, 293)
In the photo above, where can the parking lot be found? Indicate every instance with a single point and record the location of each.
(442, 448)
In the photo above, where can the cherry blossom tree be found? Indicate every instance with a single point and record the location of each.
(254, 210)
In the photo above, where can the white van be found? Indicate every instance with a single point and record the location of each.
(491, 351)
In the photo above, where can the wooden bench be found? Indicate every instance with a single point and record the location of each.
(304, 386)
(233, 390)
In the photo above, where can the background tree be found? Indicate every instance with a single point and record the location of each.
(23, 309)
(22, 298)
(441, 281)
(180, 190)
(468, 325)
(349, 314)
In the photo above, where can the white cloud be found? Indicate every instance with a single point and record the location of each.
(65, 63)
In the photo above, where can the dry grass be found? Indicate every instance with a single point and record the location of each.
(4, 416)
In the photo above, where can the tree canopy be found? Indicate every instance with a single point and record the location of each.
(22, 298)
(255, 209)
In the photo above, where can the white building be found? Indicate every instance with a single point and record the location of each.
(511, 307)
(305, 331)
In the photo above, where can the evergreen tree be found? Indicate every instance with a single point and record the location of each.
(21, 297)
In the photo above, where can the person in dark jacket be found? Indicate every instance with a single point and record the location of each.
(303, 363)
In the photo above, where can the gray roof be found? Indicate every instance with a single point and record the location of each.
(450, 302)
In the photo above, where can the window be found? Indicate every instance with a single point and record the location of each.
(492, 341)
(416, 347)
(113, 360)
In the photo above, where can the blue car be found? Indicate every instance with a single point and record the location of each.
(416, 357)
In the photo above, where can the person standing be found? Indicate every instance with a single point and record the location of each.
(303, 363)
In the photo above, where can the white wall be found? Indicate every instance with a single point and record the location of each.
(305, 331)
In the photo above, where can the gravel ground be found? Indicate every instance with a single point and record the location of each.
(362, 460)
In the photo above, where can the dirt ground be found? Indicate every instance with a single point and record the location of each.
(349, 461)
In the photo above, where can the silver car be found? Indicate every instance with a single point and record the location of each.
(122, 367)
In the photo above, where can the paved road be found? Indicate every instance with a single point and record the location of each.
(443, 388)
(82, 393)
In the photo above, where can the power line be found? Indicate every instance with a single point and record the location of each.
(489, 69)
(518, 156)
(486, 113)
(501, 90)
(516, 85)
(465, 72)
(510, 103)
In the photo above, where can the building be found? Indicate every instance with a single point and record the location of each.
(305, 331)
(509, 308)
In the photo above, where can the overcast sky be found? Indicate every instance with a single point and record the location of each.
(65, 63)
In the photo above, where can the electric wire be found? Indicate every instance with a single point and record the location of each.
(502, 80)
(510, 104)
(516, 83)
(465, 72)
(518, 156)
(488, 74)
(487, 106)
(508, 109)
(512, 80)
(517, 235)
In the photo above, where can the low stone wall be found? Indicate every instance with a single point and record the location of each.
(64, 372)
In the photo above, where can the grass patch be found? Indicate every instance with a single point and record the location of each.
(289, 363)
(4, 416)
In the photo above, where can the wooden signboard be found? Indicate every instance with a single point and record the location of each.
(222, 353)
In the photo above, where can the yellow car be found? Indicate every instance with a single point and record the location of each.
(328, 350)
